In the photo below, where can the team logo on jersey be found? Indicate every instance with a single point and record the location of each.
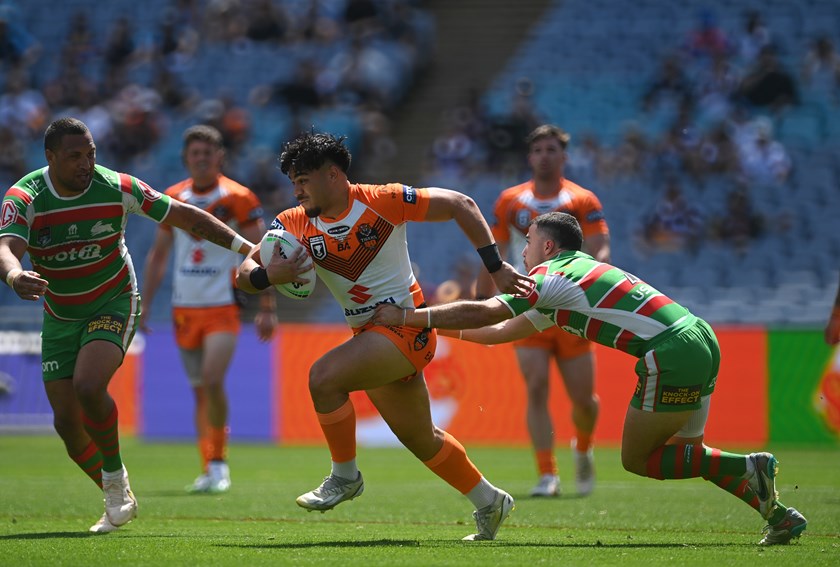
(8, 214)
(523, 218)
(277, 224)
(421, 340)
(409, 195)
(367, 236)
(317, 246)
(44, 237)
(99, 228)
(149, 193)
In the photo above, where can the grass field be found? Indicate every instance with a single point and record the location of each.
(407, 516)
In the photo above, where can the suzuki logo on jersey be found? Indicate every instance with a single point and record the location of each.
(409, 195)
(87, 252)
(367, 236)
(197, 255)
(359, 294)
(99, 228)
(8, 215)
(318, 247)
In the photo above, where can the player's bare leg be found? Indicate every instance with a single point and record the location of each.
(534, 366)
(578, 375)
(218, 349)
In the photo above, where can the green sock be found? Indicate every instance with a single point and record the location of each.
(778, 514)
(692, 461)
(107, 437)
(90, 461)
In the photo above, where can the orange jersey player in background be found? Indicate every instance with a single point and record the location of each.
(356, 236)
(204, 310)
(549, 191)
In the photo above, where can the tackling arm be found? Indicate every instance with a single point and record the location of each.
(204, 225)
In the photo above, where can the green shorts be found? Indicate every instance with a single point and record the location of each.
(676, 373)
(61, 340)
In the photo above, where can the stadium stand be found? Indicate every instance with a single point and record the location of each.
(586, 66)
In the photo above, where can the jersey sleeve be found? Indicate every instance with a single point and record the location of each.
(395, 202)
(141, 199)
(247, 208)
(500, 228)
(591, 215)
(13, 213)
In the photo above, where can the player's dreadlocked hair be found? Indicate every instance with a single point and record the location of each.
(310, 151)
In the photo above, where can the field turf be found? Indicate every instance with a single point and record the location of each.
(407, 516)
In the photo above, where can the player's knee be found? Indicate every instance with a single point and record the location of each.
(88, 391)
(320, 376)
(537, 392)
(66, 426)
(633, 464)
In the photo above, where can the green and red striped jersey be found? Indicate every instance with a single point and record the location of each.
(77, 243)
(599, 302)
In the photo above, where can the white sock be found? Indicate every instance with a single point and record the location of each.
(113, 475)
(347, 469)
(483, 494)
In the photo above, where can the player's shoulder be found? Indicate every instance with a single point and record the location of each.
(234, 188)
(177, 189)
(577, 190)
(293, 219)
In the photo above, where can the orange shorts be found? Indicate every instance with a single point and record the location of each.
(561, 344)
(417, 345)
(192, 324)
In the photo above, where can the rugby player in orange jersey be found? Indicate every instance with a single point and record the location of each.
(204, 310)
(356, 236)
(514, 210)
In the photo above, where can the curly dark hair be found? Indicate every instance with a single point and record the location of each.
(310, 151)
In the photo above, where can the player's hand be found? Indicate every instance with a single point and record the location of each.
(265, 321)
(29, 285)
(388, 315)
(832, 330)
(286, 270)
(510, 281)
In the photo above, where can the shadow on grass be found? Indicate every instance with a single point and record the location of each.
(49, 535)
(415, 543)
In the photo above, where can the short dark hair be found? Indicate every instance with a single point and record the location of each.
(549, 131)
(203, 133)
(60, 128)
(310, 151)
(562, 228)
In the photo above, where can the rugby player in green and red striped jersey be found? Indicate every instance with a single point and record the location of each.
(70, 217)
(678, 363)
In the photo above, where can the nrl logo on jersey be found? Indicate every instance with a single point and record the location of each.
(367, 236)
(44, 237)
(318, 247)
(99, 228)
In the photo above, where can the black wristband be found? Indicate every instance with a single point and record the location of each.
(259, 278)
(491, 257)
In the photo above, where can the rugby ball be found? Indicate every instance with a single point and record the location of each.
(286, 243)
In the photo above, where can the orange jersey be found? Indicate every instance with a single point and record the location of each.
(517, 206)
(203, 271)
(362, 254)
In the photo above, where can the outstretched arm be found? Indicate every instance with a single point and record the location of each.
(445, 204)
(204, 225)
(266, 318)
